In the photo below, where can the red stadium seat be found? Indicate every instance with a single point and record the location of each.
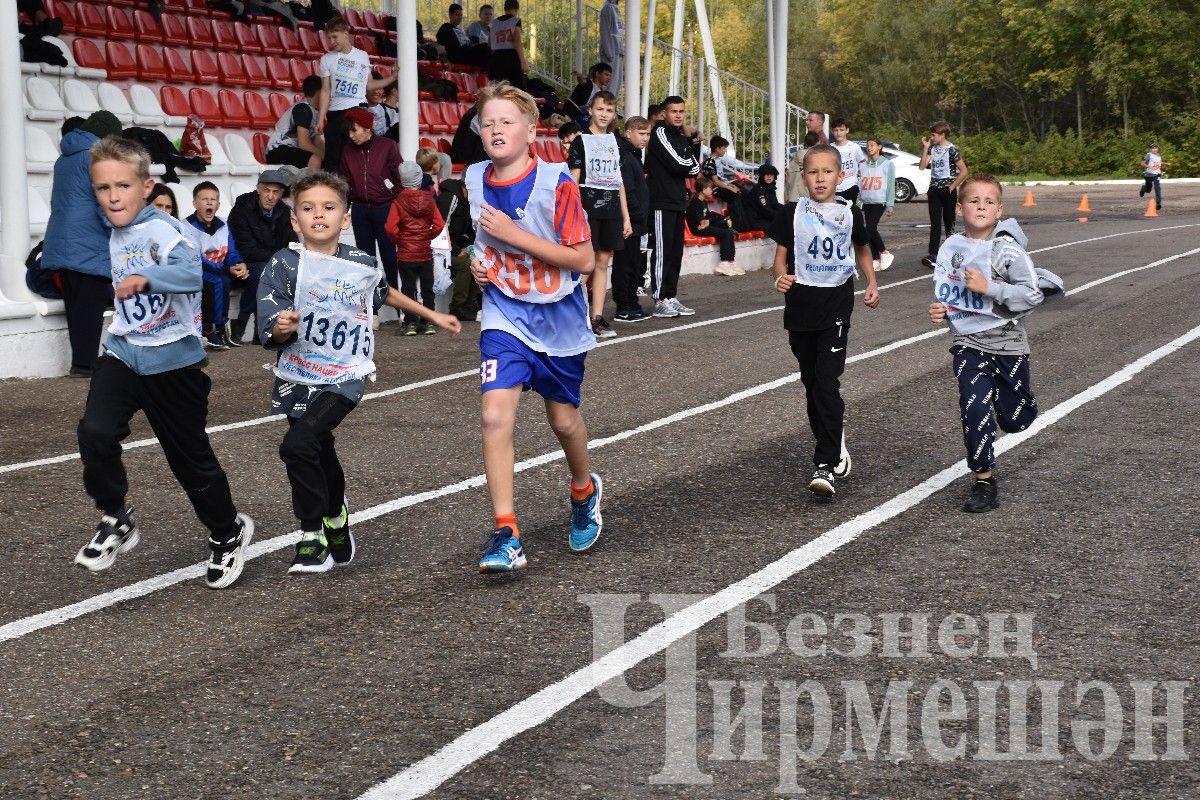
(353, 19)
(299, 70)
(428, 143)
(260, 142)
(146, 27)
(120, 61)
(289, 42)
(120, 26)
(150, 66)
(443, 145)
(452, 115)
(372, 21)
(88, 55)
(89, 21)
(224, 39)
(269, 41)
(280, 104)
(232, 109)
(200, 33)
(431, 117)
(230, 71)
(178, 68)
(204, 106)
(64, 11)
(205, 67)
(174, 103)
(199, 8)
(175, 31)
(247, 39)
(258, 111)
(279, 72)
(311, 43)
(326, 42)
(367, 44)
(256, 72)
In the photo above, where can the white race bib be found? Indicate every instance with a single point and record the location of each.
(151, 319)
(967, 312)
(334, 342)
(601, 161)
(822, 249)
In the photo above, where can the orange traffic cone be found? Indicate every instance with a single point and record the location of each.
(1151, 211)
(1083, 205)
(1029, 199)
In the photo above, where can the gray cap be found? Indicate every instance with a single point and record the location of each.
(410, 175)
(274, 176)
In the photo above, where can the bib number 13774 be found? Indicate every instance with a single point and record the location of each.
(825, 247)
(317, 330)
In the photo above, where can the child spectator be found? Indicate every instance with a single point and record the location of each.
(948, 172)
(457, 43)
(345, 81)
(387, 113)
(507, 60)
(597, 80)
(295, 140)
(703, 222)
(595, 163)
(325, 345)
(793, 176)
(412, 224)
(984, 285)
(878, 184)
(820, 239)
(567, 132)
(220, 260)
(162, 198)
(763, 199)
(722, 171)
(152, 361)
(371, 167)
(430, 162)
(628, 261)
(1152, 169)
(853, 158)
(531, 245)
(454, 208)
(478, 30)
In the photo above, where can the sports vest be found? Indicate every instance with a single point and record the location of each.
(601, 161)
(822, 249)
(503, 35)
(149, 319)
(335, 300)
(874, 180)
(849, 153)
(286, 133)
(516, 274)
(1153, 165)
(967, 312)
(939, 161)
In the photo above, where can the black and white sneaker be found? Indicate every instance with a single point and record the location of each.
(339, 538)
(115, 534)
(929, 261)
(844, 465)
(312, 554)
(822, 481)
(230, 339)
(984, 496)
(228, 558)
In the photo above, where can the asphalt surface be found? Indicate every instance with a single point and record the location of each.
(324, 686)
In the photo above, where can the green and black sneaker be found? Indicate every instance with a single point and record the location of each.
(341, 541)
(312, 554)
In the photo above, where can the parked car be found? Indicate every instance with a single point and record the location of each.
(911, 180)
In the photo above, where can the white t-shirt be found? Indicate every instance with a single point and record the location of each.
(348, 74)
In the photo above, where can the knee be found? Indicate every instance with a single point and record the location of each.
(298, 445)
(95, 436)
(1019, 418)
(565, 420)
(495, 417)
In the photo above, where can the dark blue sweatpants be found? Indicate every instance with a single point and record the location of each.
(985, 382)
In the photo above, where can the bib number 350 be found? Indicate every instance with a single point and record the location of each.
(516, 272)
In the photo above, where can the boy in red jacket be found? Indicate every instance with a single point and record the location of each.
(412, 224)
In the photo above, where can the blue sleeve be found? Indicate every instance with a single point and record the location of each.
(180, 274)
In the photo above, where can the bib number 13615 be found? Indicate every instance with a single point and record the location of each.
(137, 308)
(317, 330)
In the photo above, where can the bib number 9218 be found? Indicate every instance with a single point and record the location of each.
(825, 247)
(959, 296)
(317, 330)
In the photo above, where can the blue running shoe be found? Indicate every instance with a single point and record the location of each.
(503, 552)
(586, 521)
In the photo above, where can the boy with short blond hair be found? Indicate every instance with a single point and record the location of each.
(152, 361)
(532, 246)
(984, 285)
(628, 263)
(325, 345)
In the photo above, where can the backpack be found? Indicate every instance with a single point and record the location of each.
(43, 282)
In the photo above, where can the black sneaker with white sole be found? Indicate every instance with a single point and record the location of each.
(312, 554)
(339, 538)
(822, 482)
(228, 558)
(984, 496)
(116, 534)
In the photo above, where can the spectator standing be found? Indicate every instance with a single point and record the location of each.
(793, 181)
(345, 81)
(507, 61)
(853, 158)
(77, 241)
(458, 45)
(371, 167)
(815, 123)
(261, 225)
(413, 222)
(295, 140)
(465, 298)
(612, 43)
(479, 30)
(628, 262)
(671, 159)
(948, 172)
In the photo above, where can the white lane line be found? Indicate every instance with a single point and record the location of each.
(434, 770)
(36, 622)
(410, 387)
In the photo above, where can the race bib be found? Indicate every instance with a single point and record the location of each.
(822, 249)
(601, 161)
(151, 318)
(966, 311)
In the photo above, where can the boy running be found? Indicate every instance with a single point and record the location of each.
(532, 247)
(595, 163)
(820, 240)
(1152, 170)
(316, 301)
(984, 285)
(152, 361)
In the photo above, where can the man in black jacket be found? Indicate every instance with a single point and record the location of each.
(672, 158)
(627, 262)
(262, 226)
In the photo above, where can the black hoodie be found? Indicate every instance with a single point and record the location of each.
(671, 158)
(637, 191)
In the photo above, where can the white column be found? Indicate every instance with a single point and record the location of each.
(779, 86)
(406, 65)
(648, 63)
(633, 78)
(772, 116)
(578, 35)
(714, 78)
(677, 44)
(14, 203)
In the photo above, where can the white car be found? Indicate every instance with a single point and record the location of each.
(911, 180)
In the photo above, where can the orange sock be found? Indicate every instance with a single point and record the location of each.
(508, 521)
(585, 492)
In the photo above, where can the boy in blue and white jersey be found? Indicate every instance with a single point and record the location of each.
(152, 361)
(1152, 170)
(221, 261)
(984, 284)
(316, 302)
(532, 247)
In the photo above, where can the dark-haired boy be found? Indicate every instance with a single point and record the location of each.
(221, 261)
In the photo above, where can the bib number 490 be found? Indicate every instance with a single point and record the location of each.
(825, 247)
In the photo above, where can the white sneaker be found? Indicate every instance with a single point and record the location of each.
(227, 560)
(845, 463)
(875, 264)
(736, 269)
(885, 260)
(680, 308)
(664, 308)
(114, 535)
(726, 268)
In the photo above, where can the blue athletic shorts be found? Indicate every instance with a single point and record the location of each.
(506, 361)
